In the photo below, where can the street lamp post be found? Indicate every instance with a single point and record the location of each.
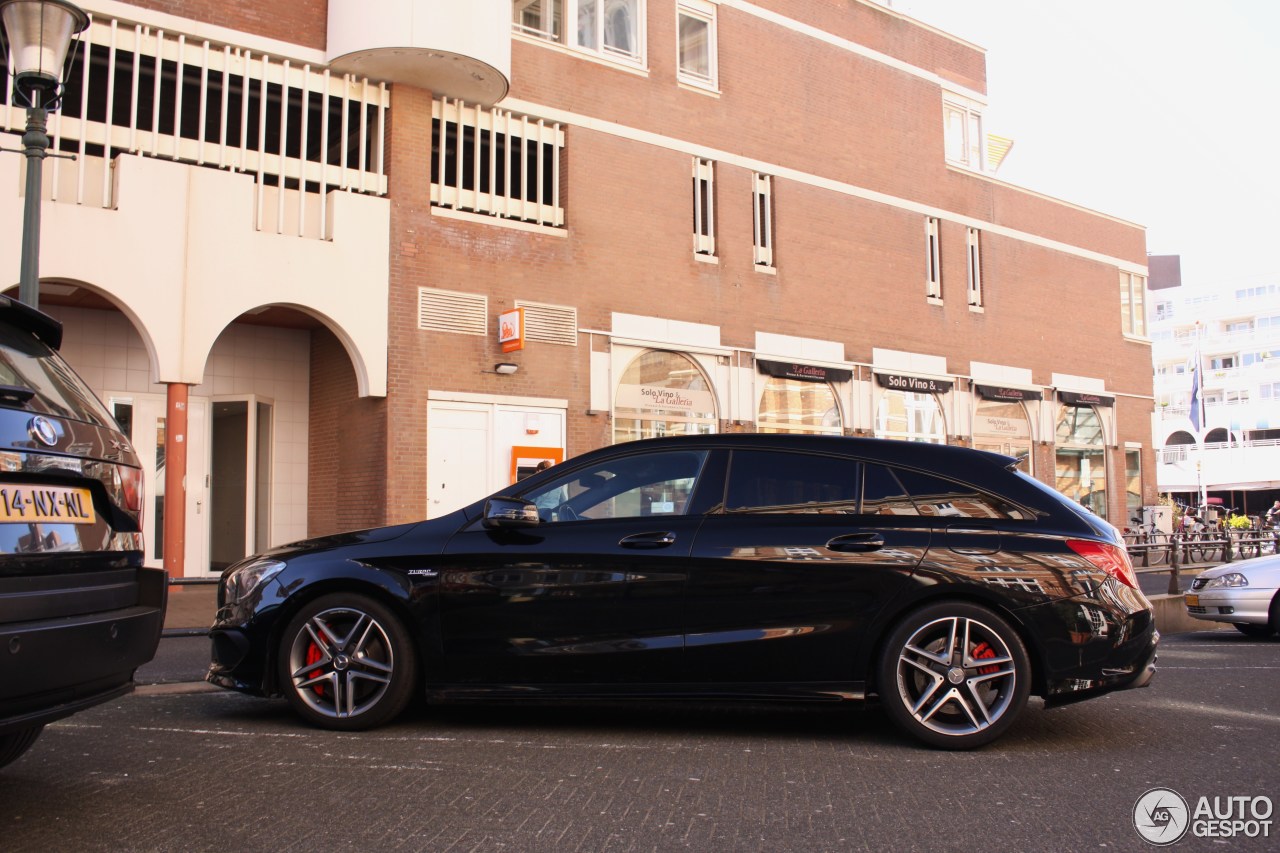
(39, 35)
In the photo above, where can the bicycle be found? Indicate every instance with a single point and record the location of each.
(1147, 538)
(1197, 539)
(1248, 536)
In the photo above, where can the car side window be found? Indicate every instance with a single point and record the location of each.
(766, 481)
(940, 498)
(883, 494)
(643, 484)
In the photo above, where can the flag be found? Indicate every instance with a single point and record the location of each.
(1195, 394)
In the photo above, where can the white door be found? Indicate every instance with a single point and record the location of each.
(457, 456)
(197, 551)
(144, 416)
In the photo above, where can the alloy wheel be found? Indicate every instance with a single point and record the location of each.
(341, 662)
(957, 676)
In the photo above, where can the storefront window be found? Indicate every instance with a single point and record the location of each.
(910, 416)
(793, 405)
(1003, 427)
(1080, 467)
(663, 393)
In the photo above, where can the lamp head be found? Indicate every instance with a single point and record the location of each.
(39, 34)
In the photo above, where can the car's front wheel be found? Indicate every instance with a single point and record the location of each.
(14, 744)
(954, 675)
(1249, 629)
(347, 662)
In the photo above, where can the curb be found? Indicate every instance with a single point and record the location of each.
(1172, 618)
(184, 632)
(175, 688)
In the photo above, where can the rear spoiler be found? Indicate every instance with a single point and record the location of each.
(32, 320)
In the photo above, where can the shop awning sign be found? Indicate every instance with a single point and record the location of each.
(1079, 398)
(1007, 395)
(803, 372)
(918, 384)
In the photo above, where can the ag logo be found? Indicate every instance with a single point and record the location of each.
(1161, 816)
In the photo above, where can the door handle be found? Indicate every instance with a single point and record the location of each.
(857, 542)
(658, 539)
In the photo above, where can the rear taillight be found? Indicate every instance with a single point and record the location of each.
(1112, 559)
(130, 487)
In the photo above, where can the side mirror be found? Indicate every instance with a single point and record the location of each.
(509, 513)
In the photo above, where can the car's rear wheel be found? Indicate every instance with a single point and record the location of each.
(14, 744)
(954, 675)
(347, 662)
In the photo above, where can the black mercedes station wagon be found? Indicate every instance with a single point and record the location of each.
(940, 580)
(78, 612)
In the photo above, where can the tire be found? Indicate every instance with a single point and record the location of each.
(14, 744)
(1249, 629)
(936, 684)
(346, 662)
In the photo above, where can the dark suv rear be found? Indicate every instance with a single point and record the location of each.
(78, 612)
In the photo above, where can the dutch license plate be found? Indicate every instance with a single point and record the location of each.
(46, 505)
(1193, 601)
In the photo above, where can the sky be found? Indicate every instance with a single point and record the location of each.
(1165, 113)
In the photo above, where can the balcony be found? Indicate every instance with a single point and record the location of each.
(452, 49)
(1219, 467)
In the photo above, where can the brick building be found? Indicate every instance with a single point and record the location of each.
(286, 243)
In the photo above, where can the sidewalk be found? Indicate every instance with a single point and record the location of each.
(191, 607)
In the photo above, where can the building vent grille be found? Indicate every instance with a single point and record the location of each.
(551, 324)
(451, 311)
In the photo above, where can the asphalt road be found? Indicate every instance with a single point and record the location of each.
(177, 767)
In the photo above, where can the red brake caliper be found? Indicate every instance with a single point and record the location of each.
(981, 651)
(314, 656)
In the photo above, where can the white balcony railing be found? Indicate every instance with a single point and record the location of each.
(1219, 466)
(141, 90)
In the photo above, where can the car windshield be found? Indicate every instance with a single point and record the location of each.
(28, 363)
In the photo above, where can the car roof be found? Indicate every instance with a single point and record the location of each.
(894, 451)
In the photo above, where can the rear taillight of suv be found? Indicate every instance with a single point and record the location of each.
(130, 487)
(1112, 559)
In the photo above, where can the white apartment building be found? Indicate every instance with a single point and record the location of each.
(1230, 449)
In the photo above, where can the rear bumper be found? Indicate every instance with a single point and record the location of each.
(53, 667)
(1096, 643)
(1127, 677)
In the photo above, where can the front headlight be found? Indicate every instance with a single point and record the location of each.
(245, 578)
(1235, 579)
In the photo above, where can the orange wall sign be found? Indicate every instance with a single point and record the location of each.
(524, 460)
(511, 330)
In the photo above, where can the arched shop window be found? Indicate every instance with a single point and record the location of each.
(911, 416)
(796, 406)
(663, 393)
(1001, 423)
(790, 405)
(1081, 463)
(909, 409)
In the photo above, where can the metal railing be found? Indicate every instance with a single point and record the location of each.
(297, 129)
(1176, 550)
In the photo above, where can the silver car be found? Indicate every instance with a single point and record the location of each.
(1244, 594)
